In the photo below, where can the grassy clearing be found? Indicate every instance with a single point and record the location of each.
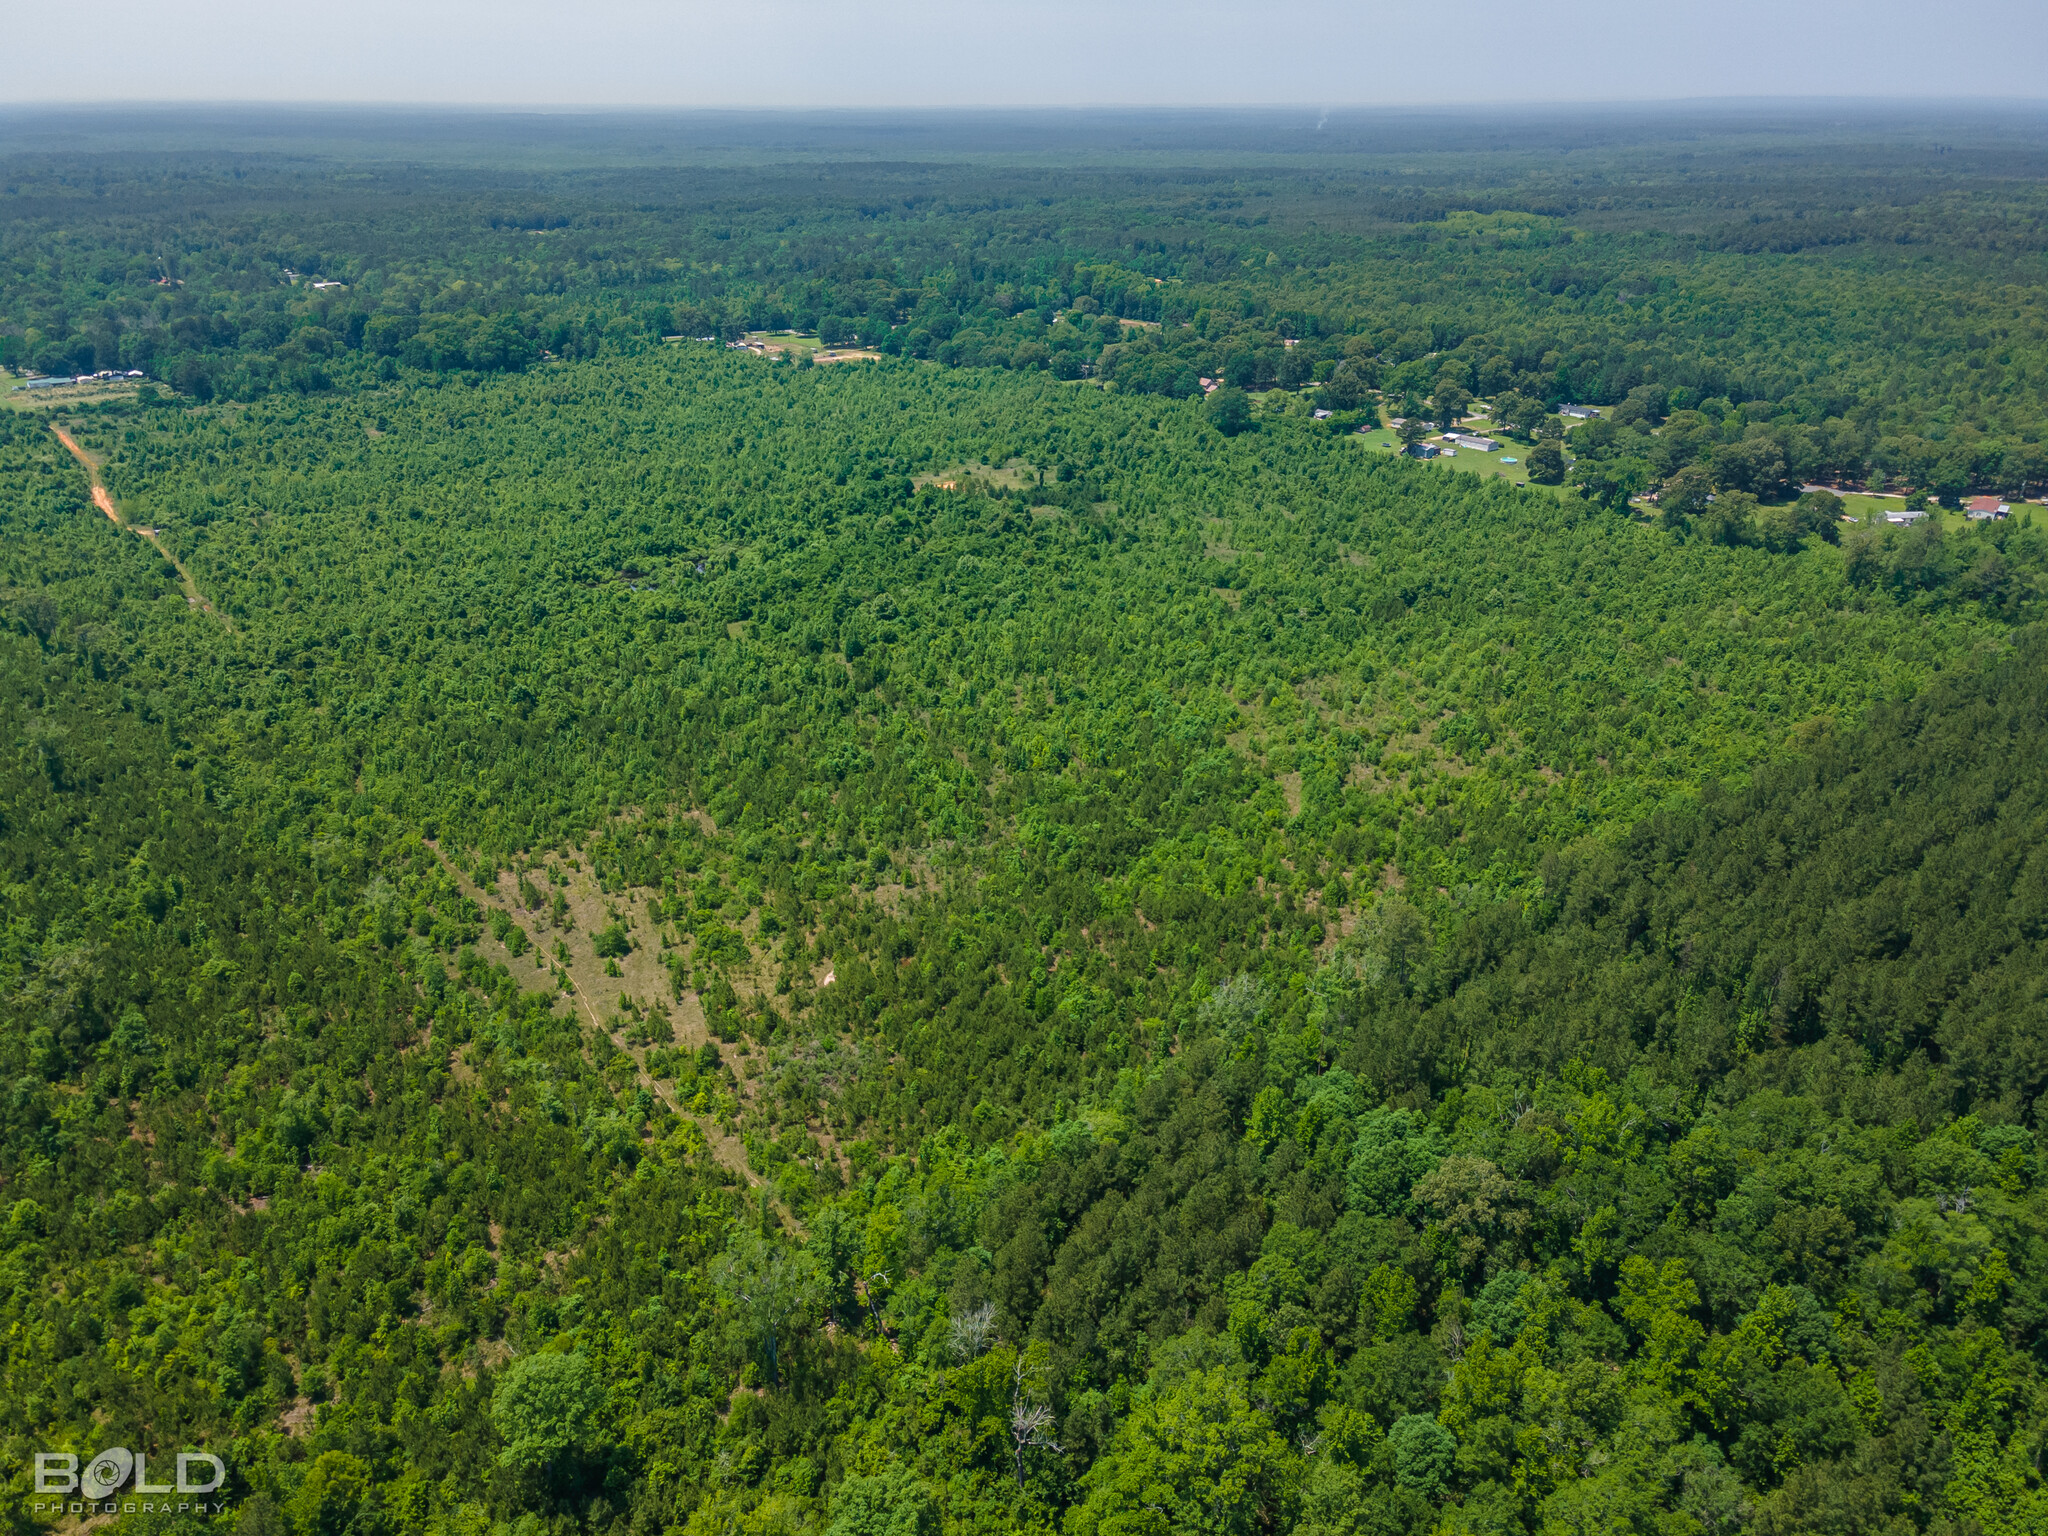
(1013, 474)
(783, 343)
(1466, 461)
(21, 398)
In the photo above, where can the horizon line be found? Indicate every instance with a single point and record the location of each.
(1973, 105)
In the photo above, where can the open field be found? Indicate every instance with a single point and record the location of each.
(16, 395)
(799, 345)
(1467, 461)
(1015, 474)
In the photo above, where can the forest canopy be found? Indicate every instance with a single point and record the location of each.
(616, 936)
(1870, 291)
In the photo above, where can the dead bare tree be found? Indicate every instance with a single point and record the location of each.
(1030, 1420)
(972, 1332)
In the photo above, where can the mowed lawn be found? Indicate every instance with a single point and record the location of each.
(1467, 461)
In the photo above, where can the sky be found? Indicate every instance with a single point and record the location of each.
(907, 53)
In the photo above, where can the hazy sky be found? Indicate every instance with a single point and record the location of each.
(998, 52)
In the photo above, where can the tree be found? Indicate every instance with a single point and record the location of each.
(1821, 513)
(1610, 483)
(1546, 464)
(1412, 431)
(1786, 528)
(1334, 1500)
(1731, 520)
(1863, 556)
(1647, 402)
(769, 1286)
(834, 1247)
(1684, 497)
(2022, 470)
(1475, 1207)
(1229, 410)
(1394, 1149)
(1517, 413)
(1031, 1417)
(548, 1409)
(1450, 400)
(1756, 464)
(1345, 389)
(333, 1491)
(892, 1502)
(1195, 1458)
(1950, 478)
(971, 1332)
(1423, 1453)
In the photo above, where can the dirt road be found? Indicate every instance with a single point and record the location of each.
(104, 500)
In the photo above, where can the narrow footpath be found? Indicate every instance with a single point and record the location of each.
(104, 500)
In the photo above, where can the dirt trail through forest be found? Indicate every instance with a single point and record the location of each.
(104, 500)
(643, 977)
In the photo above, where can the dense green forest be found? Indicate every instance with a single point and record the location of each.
(1864, 295)
(686, 943)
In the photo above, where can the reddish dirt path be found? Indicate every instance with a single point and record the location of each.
(104, 500)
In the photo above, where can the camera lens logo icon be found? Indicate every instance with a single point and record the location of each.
(106, 1472)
